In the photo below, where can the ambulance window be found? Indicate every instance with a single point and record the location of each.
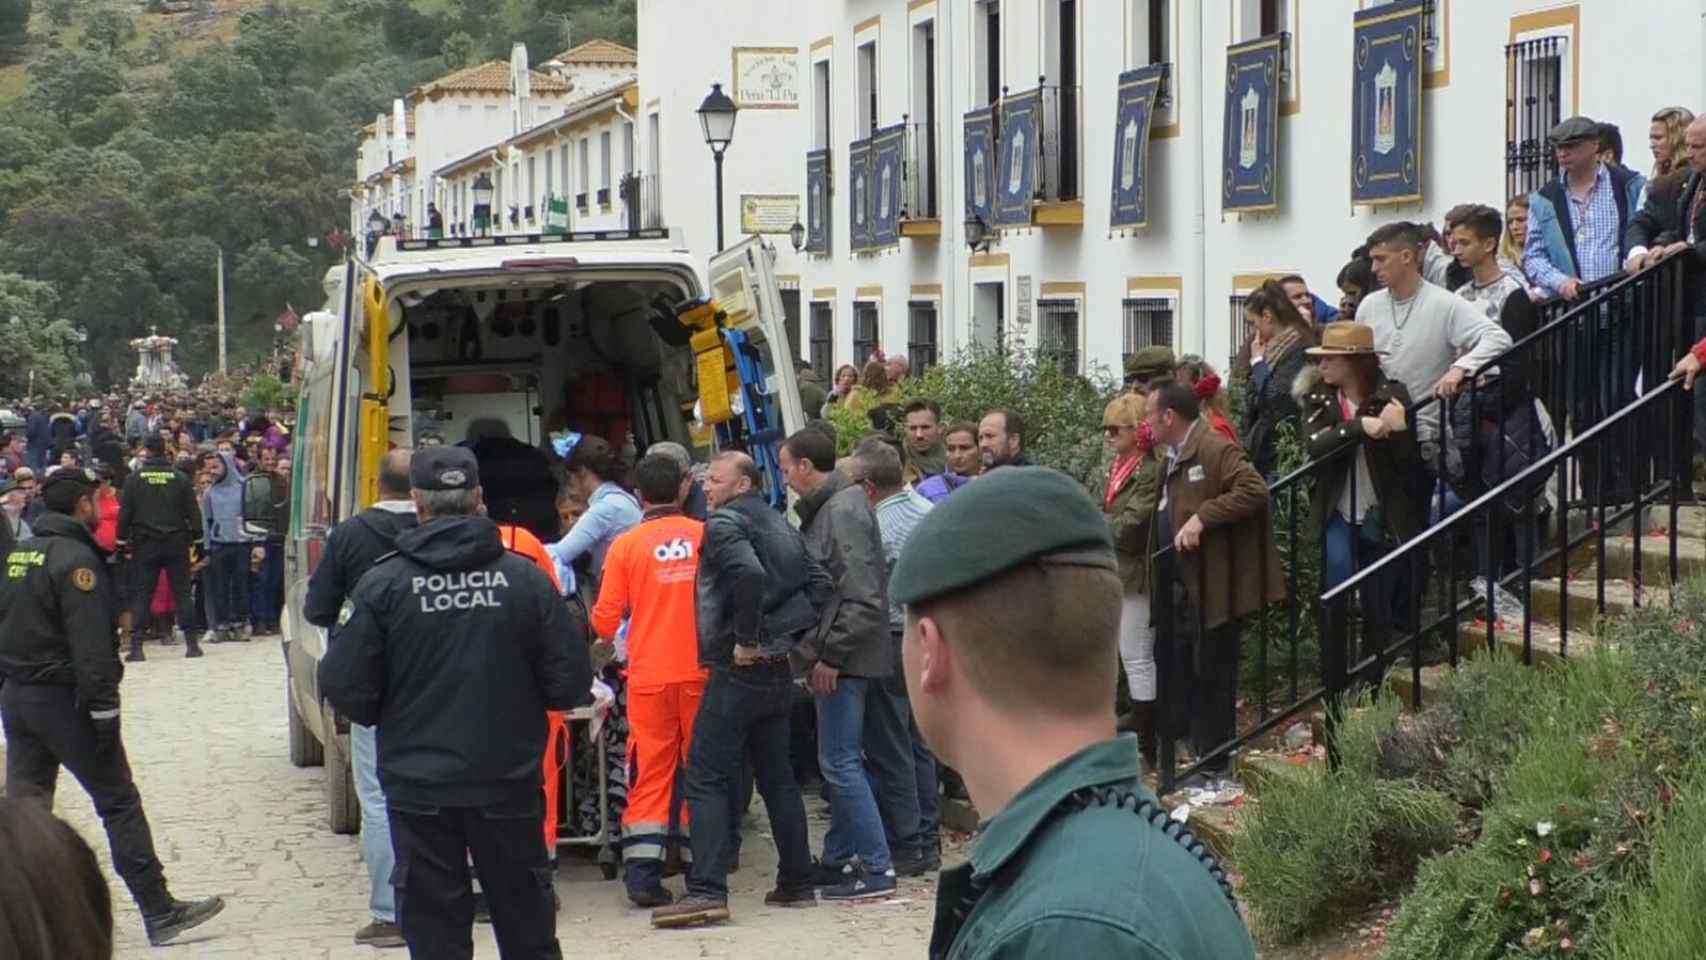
(311, 493)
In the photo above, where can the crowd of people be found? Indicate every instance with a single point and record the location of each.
(171, 469)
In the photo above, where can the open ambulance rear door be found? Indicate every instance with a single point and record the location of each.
(743, 283)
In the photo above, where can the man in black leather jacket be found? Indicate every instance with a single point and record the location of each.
(758, 591)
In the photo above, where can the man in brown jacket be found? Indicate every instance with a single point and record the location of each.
(1224, 566)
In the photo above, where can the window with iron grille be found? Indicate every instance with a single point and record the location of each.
(864, 332)
(1059, 332)
(921, 335)
(823, 338)
(1534, 89)
(1242, 329)
(1148, 323)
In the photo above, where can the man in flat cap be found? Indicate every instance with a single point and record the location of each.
(1009, 652)
(455, 648)
(1578, 233)
(1149, 365)
(59, 679)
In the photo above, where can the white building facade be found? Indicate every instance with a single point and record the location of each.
(1493, 76)
(562, 134)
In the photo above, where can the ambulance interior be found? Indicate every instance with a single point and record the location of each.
(508, 367)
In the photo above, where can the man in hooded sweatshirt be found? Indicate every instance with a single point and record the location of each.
(227, 575)
(455, 648)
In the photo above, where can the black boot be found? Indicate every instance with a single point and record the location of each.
(192, 647)
(135, 654)
(180, 917)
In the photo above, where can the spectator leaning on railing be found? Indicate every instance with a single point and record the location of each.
(1577, 222)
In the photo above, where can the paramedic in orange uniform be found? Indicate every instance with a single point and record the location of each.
(519, 540)
(649, 578)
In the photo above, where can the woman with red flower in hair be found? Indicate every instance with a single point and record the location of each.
(1195, 372)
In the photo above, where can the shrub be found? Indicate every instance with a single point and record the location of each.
(1321, 846)
(1062, 411)
(266, 393)
(1663, 918)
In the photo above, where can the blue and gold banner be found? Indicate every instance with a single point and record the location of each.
(1250, 181)
(886, 148)
(1021, 117)
(859, 194)
(1137, 92)
(819, 224)
(1386, 102)
(980, 164)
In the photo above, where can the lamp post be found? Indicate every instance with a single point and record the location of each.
(717, 120)
(483, 204)
(797, 233)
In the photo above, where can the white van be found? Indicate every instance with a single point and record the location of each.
(439, 340)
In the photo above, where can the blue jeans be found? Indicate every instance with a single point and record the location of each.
(855, 827)
(266, 589)
(375, 825)
(1385, 603)
(908, 794)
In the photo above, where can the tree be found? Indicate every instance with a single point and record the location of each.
(14, 23)
(108, 29)
(271, 39)
(100, 125)
(210, 95)
(69, 83)
(459, 50)
(265, 280)
(60, 11)
(32, 338)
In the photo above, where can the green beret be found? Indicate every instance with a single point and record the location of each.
(1150, 362)
(995, 523)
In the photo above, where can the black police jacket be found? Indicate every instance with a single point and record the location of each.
(455, 648)
(56, 615)
(158, 502)
(352, 548)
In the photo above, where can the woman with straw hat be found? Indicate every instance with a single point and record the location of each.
(1374, 501)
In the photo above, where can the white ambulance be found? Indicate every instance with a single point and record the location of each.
(434, 340)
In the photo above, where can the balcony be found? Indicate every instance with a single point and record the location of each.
(1060, 172)
(920, 214)
(642, 202)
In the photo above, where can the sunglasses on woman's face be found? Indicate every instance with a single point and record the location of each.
(1111, 430)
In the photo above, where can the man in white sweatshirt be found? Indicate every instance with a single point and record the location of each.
(1428, 338)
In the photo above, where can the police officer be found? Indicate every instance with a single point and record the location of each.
(1011, 644)
(158, 521)
(455, 648)
(59, 677)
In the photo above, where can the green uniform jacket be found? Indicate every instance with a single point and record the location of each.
(1128, 521)
(1052, 876)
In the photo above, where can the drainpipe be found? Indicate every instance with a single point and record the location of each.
(1190, 96)
(948, 163)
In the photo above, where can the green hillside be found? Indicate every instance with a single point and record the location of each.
(140, 139)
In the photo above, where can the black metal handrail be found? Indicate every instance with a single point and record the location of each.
(1560, 325)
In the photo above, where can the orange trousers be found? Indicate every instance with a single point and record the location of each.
(660, 730)
(556, 761)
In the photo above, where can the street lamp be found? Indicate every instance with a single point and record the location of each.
(377, 222)
(483, 203)
(977, 233)
(717, 120)
(797, 233)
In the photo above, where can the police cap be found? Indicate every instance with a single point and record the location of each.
(1012, 516)
(444, 468)
(64, 486)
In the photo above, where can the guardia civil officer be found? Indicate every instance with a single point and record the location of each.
(59, 699)
(158, 521)
(1011, 643)
(455, 648)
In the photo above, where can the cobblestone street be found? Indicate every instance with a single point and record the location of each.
(232, 816)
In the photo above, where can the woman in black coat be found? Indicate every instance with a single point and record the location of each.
(1276, 358)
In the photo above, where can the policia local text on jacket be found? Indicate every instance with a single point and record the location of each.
(59, 696)
(158, 519)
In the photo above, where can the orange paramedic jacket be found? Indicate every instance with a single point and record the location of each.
(519, 540)
(650, 576)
